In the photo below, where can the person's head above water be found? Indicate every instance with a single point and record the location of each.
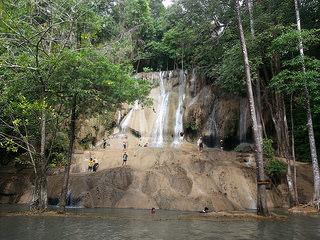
(153, 210)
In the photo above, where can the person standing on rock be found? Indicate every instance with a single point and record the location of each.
(125, 143)
(200, 144)
(90, 164)
(124, 159)
(95, 166)
(104, 143)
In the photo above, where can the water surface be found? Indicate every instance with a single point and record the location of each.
(91, 224)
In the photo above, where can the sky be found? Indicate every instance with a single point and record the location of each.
(167, 3)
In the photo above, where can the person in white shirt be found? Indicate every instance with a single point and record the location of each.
(200, 144)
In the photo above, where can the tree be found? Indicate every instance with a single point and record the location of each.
(91, 83)
(313, 150)
(262, 208)
(38, 91)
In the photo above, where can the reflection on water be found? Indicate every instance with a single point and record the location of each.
(140, 224)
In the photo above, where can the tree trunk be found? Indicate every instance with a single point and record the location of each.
(293, 154)
(40, 195)
(258, 87)
(40, 199)
(262, 208)
(250, 8)
(313, 150)
(278, 115)
(64, 191)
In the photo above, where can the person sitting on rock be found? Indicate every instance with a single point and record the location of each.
(124, 159)
(95, 166)
(200, 144)
(90, 164)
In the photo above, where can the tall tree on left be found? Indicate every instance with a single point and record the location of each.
(32, 32)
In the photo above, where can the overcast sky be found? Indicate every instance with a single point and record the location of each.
(166, 2)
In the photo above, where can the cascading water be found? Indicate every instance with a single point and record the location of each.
(69, 198)
(211, 129)
(162, 109)
(125, 122)
(119, 118)
(127, 119)
(178, 128)
(243, 120)
(193, 86)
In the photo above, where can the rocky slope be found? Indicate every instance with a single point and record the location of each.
(167, 178)
(164, 178)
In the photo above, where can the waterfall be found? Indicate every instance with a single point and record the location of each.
(178, 128)
(69, 199)
(119, 118)
(162, 110)
(193, 86)
(211, 129)
(127, 119)
(243, 120)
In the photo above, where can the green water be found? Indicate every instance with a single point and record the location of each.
(90, 224)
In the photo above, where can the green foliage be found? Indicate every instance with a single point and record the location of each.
(231, 71)
(48, 58)
(268, 151)
(58, 150)
(147, 69)
(275, 168)
(191, 129)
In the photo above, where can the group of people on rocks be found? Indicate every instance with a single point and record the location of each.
(125, 155)
(92, 165)
(142, 144)
(200, 144)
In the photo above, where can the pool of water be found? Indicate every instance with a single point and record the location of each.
(91, 224)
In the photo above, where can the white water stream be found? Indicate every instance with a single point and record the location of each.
(127, 119)
(243, 120)
(178, 128)
(160, 123)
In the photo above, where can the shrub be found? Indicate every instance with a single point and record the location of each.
(275, 168)
(147, 69)
(268, 150)
(59, 150)
(244, 148)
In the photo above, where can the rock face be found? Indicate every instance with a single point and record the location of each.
(182, 103)
(166, 178)
(102, 189)
(180, 179)
(15, 186)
